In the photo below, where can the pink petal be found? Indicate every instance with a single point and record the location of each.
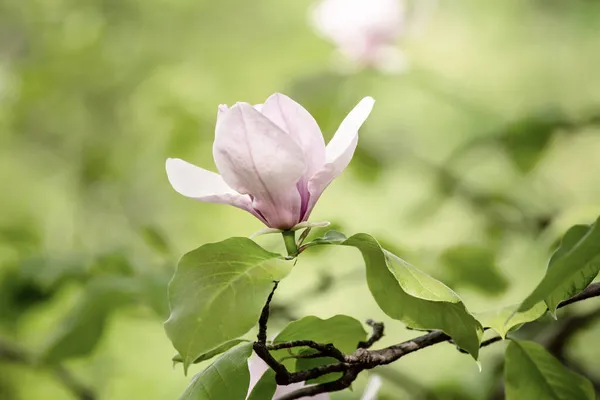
(296, 121)
(257, 158)
(372, 389)
(202, 185)
(339, 151)
(283, 390)
(302, 127)
(222, 109)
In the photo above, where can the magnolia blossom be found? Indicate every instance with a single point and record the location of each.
(366, 31)
(258, 367)
(272, 159)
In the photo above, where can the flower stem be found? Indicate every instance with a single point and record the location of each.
(289, 238)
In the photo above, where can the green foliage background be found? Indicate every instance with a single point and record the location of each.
(487, 149)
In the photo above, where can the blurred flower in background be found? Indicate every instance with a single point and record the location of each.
(366, 32)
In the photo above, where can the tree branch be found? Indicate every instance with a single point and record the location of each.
(264, 316)
(362, 359)
(592, 290)
(344, 382)
(13, 354)
(375, 336)
(324, 349)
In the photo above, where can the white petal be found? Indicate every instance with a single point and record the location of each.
(265, 231)
(340, 150)
(341, 147)
(220, 111)
(350, 21)
(302, 127)
(202, 185)
(257, 367)
(256, 157)
(372, 388)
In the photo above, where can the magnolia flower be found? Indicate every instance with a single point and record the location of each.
(272, 159)
(366, 31)
(258, 367)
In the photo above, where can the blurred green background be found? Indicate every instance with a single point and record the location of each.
(471, 166)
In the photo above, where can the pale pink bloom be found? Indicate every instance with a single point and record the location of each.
(258, 367)
(272, 159)
(367, 31)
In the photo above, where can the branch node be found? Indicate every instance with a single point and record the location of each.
(376, 335)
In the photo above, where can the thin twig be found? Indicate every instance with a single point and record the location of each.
(303, 356)
(264, 316)
(486, 342)
(328, 350)
(592, 290)
(375, 336)
(343, 383)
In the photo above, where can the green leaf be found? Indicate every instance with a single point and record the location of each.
(227, 377)
(407, 294)
(532, 373)
(265, 387)
(474, 266)
(217, 293)
(342, 331)
(210, 354)
(571, 269)
(588, 273)
(505, 319)
(331, 237)
(79, 333)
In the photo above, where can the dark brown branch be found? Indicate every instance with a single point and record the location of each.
(303, 356)
(375, 336)
(327, 350)
(343, 383)
(264, 317)
(486, 342)
(302, 376)
(592, 290)
(362, 358)
(281, 372)
(12, 354)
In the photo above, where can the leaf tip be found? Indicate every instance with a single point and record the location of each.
(186, 366)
